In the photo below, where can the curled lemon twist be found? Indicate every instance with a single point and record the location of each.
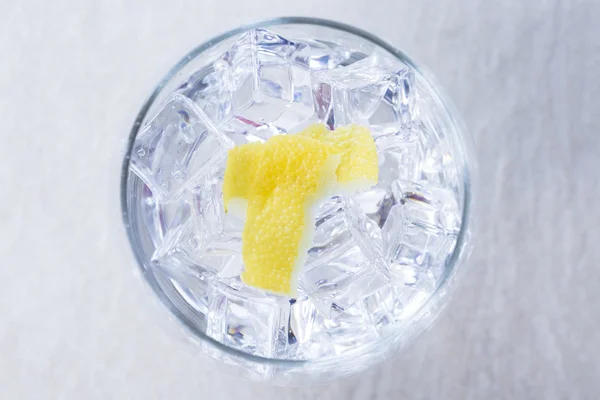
(279, 184)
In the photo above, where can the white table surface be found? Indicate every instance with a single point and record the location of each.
(524, 323)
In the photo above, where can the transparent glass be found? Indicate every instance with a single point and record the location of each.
(136, 200)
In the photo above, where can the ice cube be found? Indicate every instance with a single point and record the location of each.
(383, 308)
(261, 87)
(353, 93)
(323, 55)
(370, 201)
(150, 213)
(306, 338)
(176, 147)
(246, 319)
(403, 158)
(243, 131)
(430, 206)
(174, 226)
(194, 286)
(397, 111)
(438, 166)
(302, 320)
(412, 276)
(366, 232)
(281, 82)
(331, 233)
(351, 329)
(206, 88)
(225, 84)
(327, 209)
(326, 54)
(345, 263)
(197, 232)
(408, 240)
(171, 256)
(219, 234)
(395, 302)
(412, 301)
(400, 157)
(177, 253)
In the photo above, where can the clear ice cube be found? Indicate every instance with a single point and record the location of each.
(218, 234)
(259, 87)
(345, 263)
(427, 205)
(351, 329)
(302, 320)
(150, 213)
(414, 239)
(282, 84)
(438, 167)
(400, 157)
(196, 232)
(194, 287)
(431, 207)
(175, 226)
(323, 55)
(206, 88)
(247, 319)
(176, 147)
(225, 84)
(353, 94)
(243, 131)
(392, 305)
(306, 337)
(191, 280)
(370, 201)
(410, 276)
(409, 156)
(413, 300)
(396, 113)
(396, 302)
(383, 308)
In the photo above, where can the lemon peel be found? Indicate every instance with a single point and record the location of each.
(280, 183)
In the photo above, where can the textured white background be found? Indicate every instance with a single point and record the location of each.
(524, 323)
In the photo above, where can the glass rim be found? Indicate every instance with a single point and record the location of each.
(433, 88)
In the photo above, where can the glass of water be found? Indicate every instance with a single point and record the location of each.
(382, 261)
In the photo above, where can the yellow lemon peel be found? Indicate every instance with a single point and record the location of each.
(358, 169)
(280, 183)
